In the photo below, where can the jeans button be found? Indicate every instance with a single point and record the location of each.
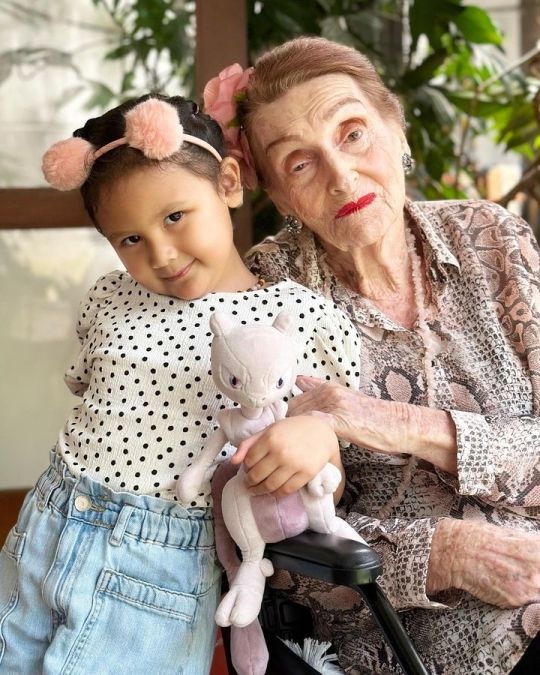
(83, 503)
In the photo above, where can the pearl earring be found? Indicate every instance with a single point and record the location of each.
(292, 225)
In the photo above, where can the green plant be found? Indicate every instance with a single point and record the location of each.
(443, 58)
(155, 46)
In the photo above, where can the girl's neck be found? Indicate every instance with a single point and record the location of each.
(237, 277)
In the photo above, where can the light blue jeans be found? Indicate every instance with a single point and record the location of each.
(94, 582)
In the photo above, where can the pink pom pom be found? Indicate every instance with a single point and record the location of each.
(65, 165)
(154, 128)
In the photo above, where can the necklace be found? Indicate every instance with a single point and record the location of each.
(260, 283)
(431, 345)
(431, 349)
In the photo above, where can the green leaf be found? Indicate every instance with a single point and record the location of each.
(430, 18)
(127, 82)
(482, 106)
(476, 26)
(119, 52)
(434, 164)
(101, 96)
(425, 71)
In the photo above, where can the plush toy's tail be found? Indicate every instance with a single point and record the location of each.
(248, 648)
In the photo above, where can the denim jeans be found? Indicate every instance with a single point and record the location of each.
(97, 582)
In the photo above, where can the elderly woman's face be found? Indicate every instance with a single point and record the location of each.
(331, 160)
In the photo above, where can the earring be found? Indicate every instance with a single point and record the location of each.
(292, 225)
(407, 162)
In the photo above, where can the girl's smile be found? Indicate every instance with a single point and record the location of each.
(181, 273)
(173, 232)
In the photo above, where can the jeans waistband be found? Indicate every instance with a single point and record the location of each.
(150, 518)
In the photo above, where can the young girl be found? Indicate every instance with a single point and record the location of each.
(105, 570)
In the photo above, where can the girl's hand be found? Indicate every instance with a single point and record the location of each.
(287, 455)
(498, 565)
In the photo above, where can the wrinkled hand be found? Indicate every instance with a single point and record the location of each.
(286, 455)
(353, 416)
(390, 427)
(498, 565)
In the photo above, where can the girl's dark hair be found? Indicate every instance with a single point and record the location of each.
(123, 160)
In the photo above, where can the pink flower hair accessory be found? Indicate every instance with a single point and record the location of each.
(152, 127)
(221, 97)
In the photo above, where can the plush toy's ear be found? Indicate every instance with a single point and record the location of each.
(221, 324)
(285, 323)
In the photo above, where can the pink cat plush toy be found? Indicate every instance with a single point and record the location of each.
(255, 365)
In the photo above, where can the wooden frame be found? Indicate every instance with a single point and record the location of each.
(24, 208)
(29, 208)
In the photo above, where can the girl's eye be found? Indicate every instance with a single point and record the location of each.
(280, 383)
(173, 217)
(234, 382)
(131, 241)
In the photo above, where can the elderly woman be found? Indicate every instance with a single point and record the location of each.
(441, 446)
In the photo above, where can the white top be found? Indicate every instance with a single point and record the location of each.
(148, 401)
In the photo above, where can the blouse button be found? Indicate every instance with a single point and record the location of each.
(83, 503)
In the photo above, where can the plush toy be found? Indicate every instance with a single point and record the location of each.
(255, 365)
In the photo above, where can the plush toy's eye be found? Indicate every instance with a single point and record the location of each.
(234, 382)
(280, 383)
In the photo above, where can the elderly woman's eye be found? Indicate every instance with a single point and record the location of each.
(299, 167)
(354, 135)
(234, 382)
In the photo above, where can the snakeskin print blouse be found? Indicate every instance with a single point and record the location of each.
(483, 366)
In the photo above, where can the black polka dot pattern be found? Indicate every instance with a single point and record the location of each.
(143, 373)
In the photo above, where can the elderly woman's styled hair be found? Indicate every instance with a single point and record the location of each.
(304, 59)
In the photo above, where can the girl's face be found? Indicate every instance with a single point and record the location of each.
(333, 161)
(172, 230)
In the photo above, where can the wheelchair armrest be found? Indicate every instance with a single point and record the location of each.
(326, 557)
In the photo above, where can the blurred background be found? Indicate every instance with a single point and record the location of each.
(467, 73)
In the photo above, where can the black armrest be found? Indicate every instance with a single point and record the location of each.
(348, 563)
(326, 557)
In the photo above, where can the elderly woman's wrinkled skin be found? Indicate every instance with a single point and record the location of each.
(323, 146)
(320, 147)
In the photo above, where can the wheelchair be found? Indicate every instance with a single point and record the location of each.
(338, 561)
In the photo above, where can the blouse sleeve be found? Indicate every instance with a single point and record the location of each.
(404, 546)
(98, 297)
(333, 349)
(499, 455)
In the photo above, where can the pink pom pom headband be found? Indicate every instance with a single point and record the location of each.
(152, 127)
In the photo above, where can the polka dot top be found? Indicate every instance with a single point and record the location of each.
(148, 401)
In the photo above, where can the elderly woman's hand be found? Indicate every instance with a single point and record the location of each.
(496, 564)
(389, 427)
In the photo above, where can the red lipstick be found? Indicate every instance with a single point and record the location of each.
(352, 207)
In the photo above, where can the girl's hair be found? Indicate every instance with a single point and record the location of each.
(123, 160)
(304, 59)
